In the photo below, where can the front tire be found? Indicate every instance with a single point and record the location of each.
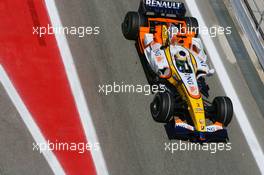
(223, 110)
(162, 107)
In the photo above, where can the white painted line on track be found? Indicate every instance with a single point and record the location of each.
(30, 123)
(76, 88)
(241, 116)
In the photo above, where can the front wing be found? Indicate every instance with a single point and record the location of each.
(184, 133)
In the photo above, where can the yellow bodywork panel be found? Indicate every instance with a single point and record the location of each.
(195, 105)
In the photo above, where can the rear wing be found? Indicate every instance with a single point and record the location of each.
(159, 7)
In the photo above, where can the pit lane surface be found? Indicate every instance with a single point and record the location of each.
(131, 142)
(16, 141)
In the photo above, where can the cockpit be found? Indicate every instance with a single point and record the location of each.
(182, 62)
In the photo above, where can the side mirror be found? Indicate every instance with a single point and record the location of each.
(210, 72)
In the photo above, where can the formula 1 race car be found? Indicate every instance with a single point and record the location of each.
(172, 54)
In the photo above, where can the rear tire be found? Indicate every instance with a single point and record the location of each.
(223, 110)
(162, 107)
(131, 25)
(192, 25)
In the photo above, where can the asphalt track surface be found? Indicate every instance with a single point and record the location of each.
(16, 143)
(132, 143)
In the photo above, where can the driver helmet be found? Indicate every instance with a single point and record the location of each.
(181, 56)
(181, 59)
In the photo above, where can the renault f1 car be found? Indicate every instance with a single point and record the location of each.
(172, 54)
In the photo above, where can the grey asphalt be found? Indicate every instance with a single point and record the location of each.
(132, 143)
(16, 143)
